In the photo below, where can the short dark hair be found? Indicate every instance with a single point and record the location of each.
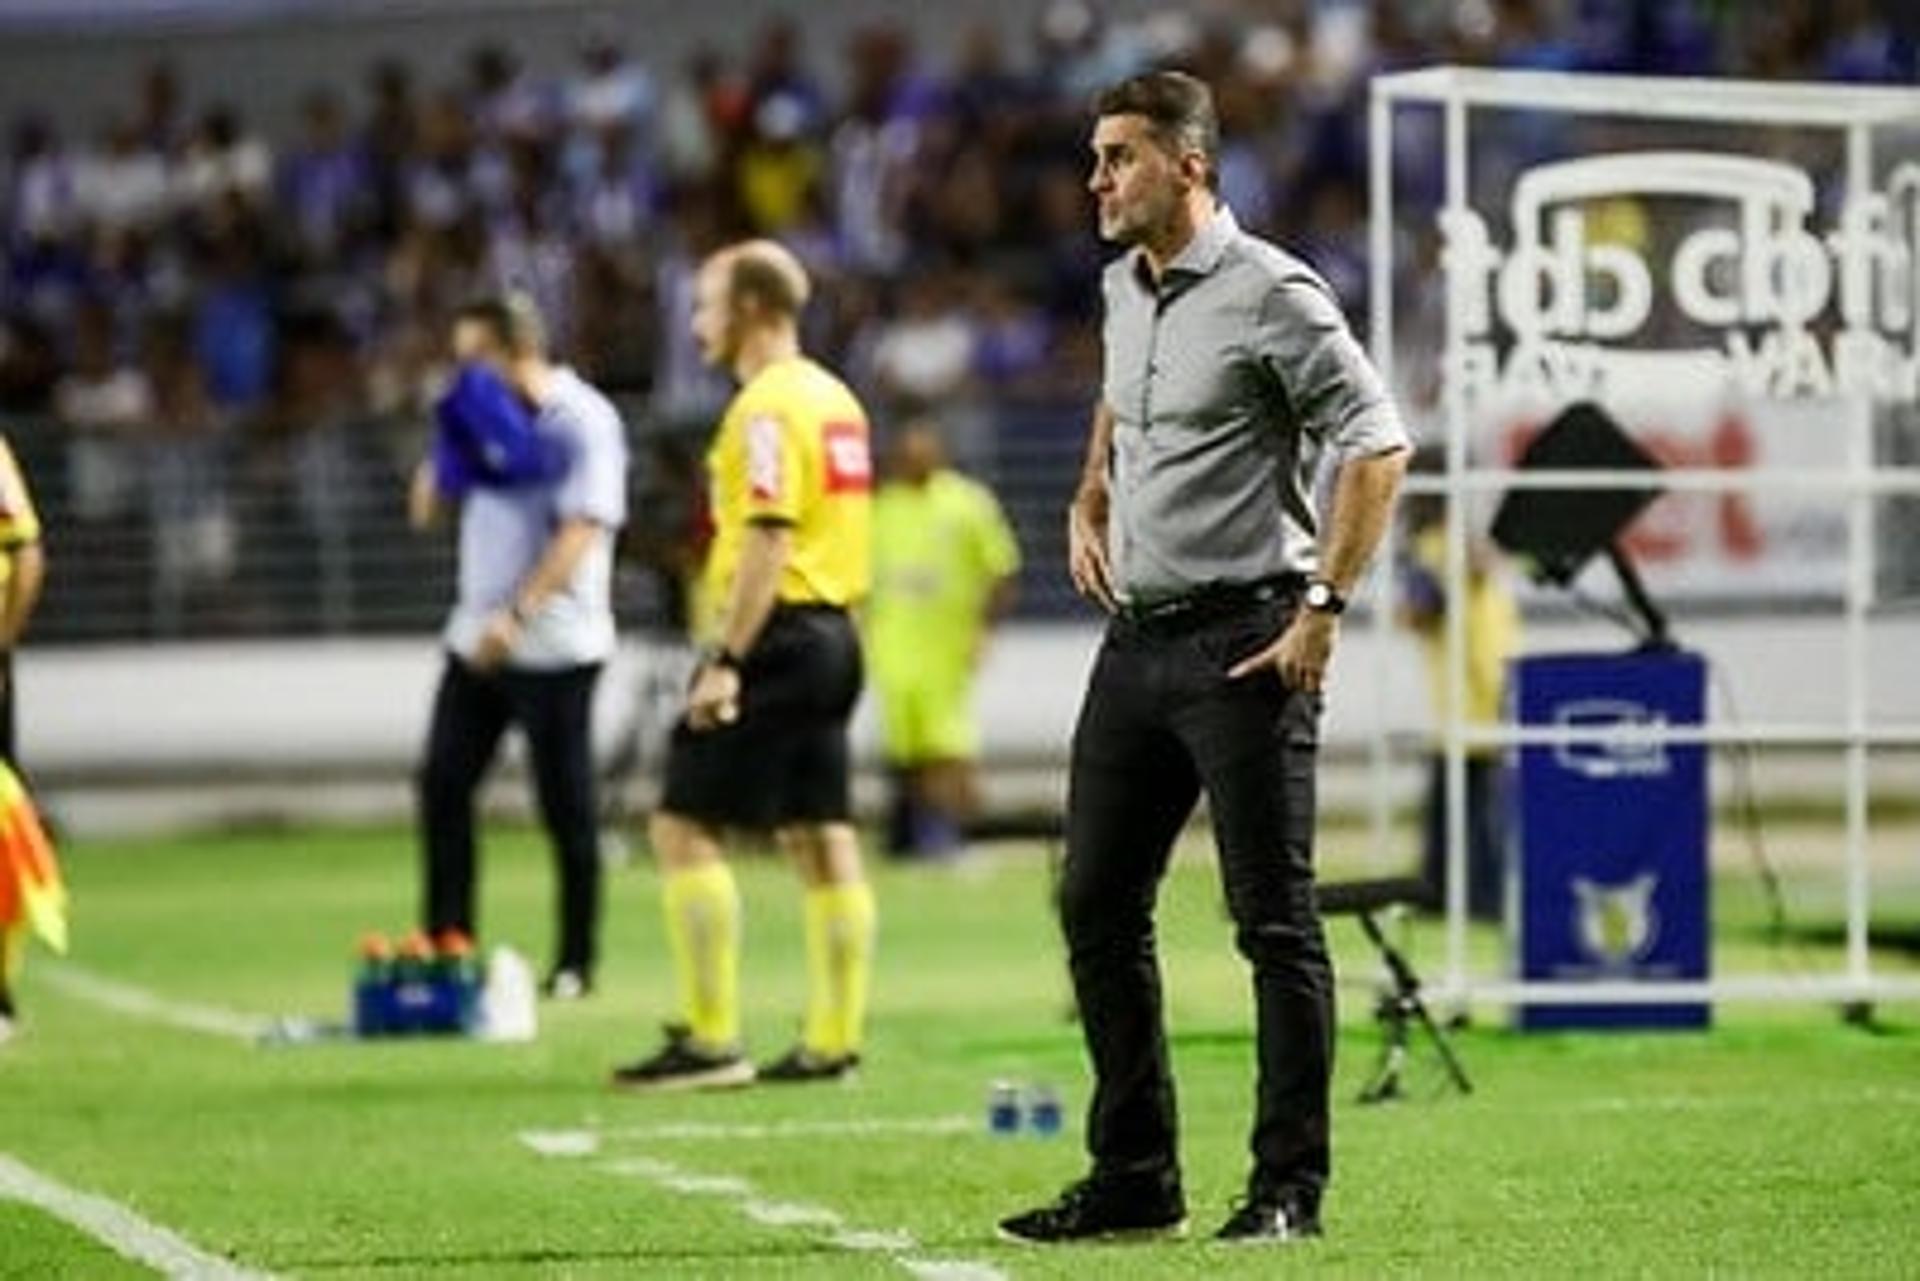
(511, 319)
(1177, 106)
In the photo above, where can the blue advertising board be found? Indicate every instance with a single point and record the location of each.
(1609, 850)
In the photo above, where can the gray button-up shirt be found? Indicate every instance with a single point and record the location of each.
(1226, 384)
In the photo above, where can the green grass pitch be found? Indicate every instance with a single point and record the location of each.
(1781, 1143)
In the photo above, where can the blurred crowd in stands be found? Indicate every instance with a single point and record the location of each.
(190, 299)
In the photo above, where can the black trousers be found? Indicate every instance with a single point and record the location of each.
(6, 708)
(1161, 723)
(471, 712)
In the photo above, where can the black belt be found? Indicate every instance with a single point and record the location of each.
(1212, 601)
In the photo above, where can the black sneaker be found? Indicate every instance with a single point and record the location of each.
(567, 984)
(1270, 1219)
(682, 1064)
(802, 1064)
(1103, 1210)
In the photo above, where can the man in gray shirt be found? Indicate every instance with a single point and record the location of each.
(530, 629)
(1229, 373)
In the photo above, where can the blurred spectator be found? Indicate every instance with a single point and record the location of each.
(778, 175)
(223, 161)
(776, 69)
(188, 508)
(874, 153)
(43, 203)
(923, 357)
(307, 456)
(701, 113)
(440, 182)
(505, 100)
(1865, 46)
(1012, 338)
(233, 325)
(326, 187)
(386, 142)
(161, 122)
(609, 90)
(614, 194)
(686, 389)
(125, 184)
(105, 402)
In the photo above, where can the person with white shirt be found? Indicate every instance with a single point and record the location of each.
(530, 629)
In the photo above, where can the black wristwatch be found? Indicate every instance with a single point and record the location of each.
(1322, 598)
(721, 656)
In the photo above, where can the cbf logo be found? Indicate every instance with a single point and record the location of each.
(1632, 746)
(1753, 272)
(1616, 924)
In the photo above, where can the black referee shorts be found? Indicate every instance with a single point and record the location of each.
(786, 759)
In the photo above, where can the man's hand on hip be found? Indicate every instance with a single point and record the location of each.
(1300, 654)
(497, 639)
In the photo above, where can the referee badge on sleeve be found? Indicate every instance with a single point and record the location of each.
(849, 464)
(763, 458)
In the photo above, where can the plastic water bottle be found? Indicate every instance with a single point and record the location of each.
(456, 981)
(507, 1009)
(412, 990)
(373, 986)
(1043, 1111)
(1003, 1109)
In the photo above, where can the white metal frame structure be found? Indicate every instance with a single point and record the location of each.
(1855, 113)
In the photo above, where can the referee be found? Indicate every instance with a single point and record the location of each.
(530, 629)
(763, 743)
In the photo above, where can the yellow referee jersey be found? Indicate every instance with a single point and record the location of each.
(792, 448)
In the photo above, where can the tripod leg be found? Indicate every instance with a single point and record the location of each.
(1455, 1070)
(1391, 1013)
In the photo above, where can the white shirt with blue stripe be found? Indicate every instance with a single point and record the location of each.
(504, 532)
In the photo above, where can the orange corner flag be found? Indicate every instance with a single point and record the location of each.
(31, 891)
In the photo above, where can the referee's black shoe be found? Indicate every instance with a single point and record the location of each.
(801, 1064)
(1270, 1218)
(1097, 1209)
(684, 1064)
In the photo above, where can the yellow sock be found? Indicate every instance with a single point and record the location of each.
(703, 930)
(840, 921)
(13, 950)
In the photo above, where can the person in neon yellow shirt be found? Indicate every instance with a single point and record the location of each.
(944, 561)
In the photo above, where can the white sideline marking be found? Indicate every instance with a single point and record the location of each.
(116, 1227)
(1734, 1102)
(796, 1129)
(890, 1242)
(706, 1184)
(952, 1270)
(788, 1214)
(562, 1142)
(142, 1004)
(898, 1245)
